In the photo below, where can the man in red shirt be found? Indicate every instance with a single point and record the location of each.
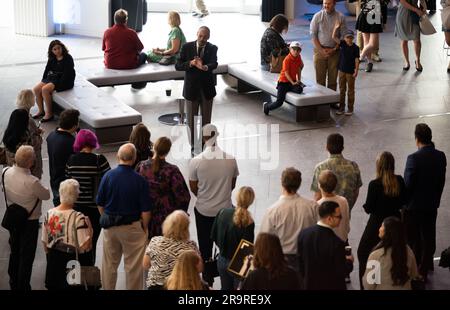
(290, 77)
(122, 46)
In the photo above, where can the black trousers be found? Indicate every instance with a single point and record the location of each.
(282, 90)
(94, 217)
(23, 249)
(431, 5)
(421, 233)
(204, 226)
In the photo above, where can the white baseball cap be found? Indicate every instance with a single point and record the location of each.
(208, 129)
(295, 44)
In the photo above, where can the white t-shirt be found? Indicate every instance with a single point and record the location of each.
(214, 170)
(343, 229)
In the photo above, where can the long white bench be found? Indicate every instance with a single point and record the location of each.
(312, 104)
(97, 74)
(111, 119)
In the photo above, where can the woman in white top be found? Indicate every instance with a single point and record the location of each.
(163, 251)
(391, 265)
(63, 231)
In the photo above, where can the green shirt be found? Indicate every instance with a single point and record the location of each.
(227, 235)
(176, 33)
(347, 173)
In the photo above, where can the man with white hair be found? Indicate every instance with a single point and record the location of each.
(124, 205)
(212, 178)
(22, 188)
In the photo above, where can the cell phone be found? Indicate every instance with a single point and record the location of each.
(348, 250)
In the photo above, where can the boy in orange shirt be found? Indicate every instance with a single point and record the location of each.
(290, 77)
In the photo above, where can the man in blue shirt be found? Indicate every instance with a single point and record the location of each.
(124, 204)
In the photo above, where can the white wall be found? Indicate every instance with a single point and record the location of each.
(92, 19)
(7, 19)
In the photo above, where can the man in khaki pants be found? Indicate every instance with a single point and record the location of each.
(124, 204)
(326, 51)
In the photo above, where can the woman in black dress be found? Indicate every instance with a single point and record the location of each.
(272, 43)
(385, 197)
(59, 75)
(140, 137)
(370, 23)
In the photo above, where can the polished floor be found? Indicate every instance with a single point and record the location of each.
(389, 102)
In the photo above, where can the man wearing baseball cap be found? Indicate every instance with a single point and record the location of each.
(290, 77)
(348, 67)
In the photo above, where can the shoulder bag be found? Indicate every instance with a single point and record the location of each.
(16, 216)
(426, 27)
(276, 63)
(90, 275)
(210, 268)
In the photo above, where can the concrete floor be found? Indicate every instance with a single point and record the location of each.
(389, 102)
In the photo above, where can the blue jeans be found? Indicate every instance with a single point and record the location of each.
(227, 280)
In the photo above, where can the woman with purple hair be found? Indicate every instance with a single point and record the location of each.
(87, 168)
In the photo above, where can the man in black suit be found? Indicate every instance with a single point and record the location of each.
(321, 254)
(425, 180)
(198, 59)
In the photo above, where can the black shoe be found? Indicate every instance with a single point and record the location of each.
(138, 85)
(266, 108)
(45, 120)
(369, 67)
(406, 68)
(195, 14)
(432, 12)
(334, 106)
(39, 115)
(420, 69)
(448, 70)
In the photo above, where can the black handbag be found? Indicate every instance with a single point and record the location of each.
(210, 266)
(16, 216)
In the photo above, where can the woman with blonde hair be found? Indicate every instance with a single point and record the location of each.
(186, 273)
(385, 197)
(230, 226)
(163, 251)
(170, 54)
(25, 100)
(167, 187)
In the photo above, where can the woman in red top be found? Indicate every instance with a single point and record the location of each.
(290, 77)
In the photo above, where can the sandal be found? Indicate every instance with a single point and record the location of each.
(39, 115)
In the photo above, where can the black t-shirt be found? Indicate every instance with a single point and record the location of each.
(59, 147)
(259, 279)
(347, 57)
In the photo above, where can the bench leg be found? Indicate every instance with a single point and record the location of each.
(112, 134)
(314, 113)
(243, 87)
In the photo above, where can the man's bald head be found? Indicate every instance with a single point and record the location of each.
(127, 154)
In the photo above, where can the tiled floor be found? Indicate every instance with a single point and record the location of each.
(389, 103)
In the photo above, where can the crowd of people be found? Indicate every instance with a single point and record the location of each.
(142, 204)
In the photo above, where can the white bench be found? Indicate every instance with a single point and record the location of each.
(312, 104)
(111, 119)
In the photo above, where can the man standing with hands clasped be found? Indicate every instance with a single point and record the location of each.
(198, 59)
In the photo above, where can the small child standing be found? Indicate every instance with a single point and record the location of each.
(348, 69)
(289, 79)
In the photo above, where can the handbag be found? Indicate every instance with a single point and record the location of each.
(16, 216)
(210, 266)
(276, 63)
(89, 275)
(167, 60)
(426, 27)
